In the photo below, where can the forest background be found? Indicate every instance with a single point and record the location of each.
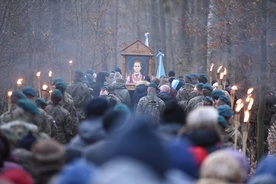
(43, 35)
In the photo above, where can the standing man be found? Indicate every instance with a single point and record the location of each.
(151, 106)
(80, 93)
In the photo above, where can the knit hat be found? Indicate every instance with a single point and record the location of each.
(28, 106)
(29, 91)
(17, 176)
(96, 107)
(225, 111)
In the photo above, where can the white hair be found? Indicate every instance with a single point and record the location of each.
(165, 88)
(203, 116)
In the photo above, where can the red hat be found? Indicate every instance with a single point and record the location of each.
(17, 176)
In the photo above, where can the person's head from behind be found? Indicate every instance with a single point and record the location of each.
(96, 107)
(165, 88)
(137, 66)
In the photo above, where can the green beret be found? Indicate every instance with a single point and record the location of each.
(216, 94)
(153, 85)
(200, 86)
(89, 71)
(106, 74)
(208, 99)
(79, 73)
(61, 85)
(203, 78)
(225, 111)
(18, 94)
(57, 93)
(225, 99)
(56, 80)
(29, 91)
(40, 101)
(208, 86)
(28, 105)
(188, 77)
(195, 75)
(222, 121)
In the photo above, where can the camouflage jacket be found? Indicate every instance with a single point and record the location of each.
(43, 122)
(151, 107)
(185, 92)
(228, 137)
(193, 102)
(68, 104)
(81, 96)
(64, 123)
(8, 115)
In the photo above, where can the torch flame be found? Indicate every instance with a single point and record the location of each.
(19, 81)
(50, 73)
(70, 62)
(44, 87)
(234, 88)
(219, 68)
(246, 116)
(9, 93)
(250, 90)
(221, 75)
(211, 68)
(225, 71)
(250, 104)
(248, 98)
(239, 105)
(50, 91)
(38, 74)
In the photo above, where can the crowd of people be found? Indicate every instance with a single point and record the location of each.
(168, 130)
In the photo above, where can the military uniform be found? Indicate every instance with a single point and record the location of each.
(64, 123)
(81, 96)
(193, 102)
(151, 107)
(184, 93)
(43, 122)
(8, 115)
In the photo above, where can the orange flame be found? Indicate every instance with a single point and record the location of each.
(239, 105)
(19, 81)
(50, 73)
(9, 93)
(248, 98)
(250, 90)
(38, 74)
(50, 91)
(211, 68)
(225, 71)
(219, 68)
(70, 62)
(44, 87)
(250, 104)
(246, 116)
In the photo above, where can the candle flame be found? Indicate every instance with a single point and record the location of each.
(44, 87)
(9, 93)
(225, 71)
(250, 90)
(70, 62)
(38, 74)
(221, 75)
(211, 68)
(250, 105)
(246, 116)
(234, 88)
(19, 81)
(50, 73)
(219, 68)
